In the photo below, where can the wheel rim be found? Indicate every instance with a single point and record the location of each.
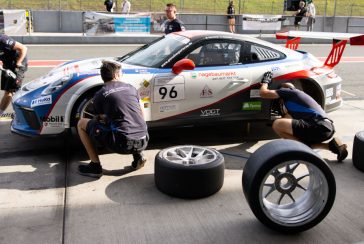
(189, 155)
(88, 110)
(294, 193)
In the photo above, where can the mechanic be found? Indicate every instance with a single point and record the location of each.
(303, 118)
(119, 126)
(172, 24)
(13, 55)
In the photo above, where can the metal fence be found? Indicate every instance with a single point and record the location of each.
(323, 7)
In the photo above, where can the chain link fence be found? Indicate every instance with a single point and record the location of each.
(323, 7)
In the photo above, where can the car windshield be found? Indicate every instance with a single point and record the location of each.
(158, 52)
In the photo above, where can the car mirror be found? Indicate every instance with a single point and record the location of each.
(183, 64)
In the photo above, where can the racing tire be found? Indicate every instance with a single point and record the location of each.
(83, 109)
(189, 171)
(358, 151)
(288, 186)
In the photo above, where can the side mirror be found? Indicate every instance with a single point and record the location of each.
(183, 64)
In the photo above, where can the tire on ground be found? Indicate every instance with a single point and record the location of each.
(189, 171)
(288, 186)
(358, 151)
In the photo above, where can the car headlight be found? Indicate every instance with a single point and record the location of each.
(58, 84)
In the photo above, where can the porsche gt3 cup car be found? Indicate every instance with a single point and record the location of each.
(184, 78)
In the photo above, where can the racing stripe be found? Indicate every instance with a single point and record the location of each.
(212, 104)
(60, 95)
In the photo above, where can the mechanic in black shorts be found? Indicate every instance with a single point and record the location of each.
(13, 55)
(172, 24)
(119, 126)
(304, 119)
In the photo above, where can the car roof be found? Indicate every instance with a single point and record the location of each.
(195, 35)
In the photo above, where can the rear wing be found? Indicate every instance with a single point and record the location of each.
(338, 45)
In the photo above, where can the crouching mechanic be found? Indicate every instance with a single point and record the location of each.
(304, 120)
(13, 55)
(119, 126)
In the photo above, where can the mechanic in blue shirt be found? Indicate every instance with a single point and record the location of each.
(13, 55)
(172, 24)
(304, 119)
(119, 126)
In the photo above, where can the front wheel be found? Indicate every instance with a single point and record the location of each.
(288, 186)
(83, 109)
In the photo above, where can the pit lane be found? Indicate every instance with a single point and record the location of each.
(44, 200)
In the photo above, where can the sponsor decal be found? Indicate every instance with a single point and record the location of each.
(146, 105)
(144, 93)
(168, 108)
(254, 93)
(252, 106)
(41, 101)
(329, 92)
(217, 74)
(193, 75)
(52, 121)
(210, 112)
(275, 69)
(206, 92)
(146, 83)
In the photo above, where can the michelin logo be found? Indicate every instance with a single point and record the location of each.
(41, 101)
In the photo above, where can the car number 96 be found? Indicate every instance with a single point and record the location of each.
(169, 93)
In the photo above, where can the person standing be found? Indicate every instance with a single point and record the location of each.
(119, 126)
(110, 5)
(231, 16)
(13, 55)
(125, 7)
(303, 120)
(172, 24)
(301, 12)
(311, 14)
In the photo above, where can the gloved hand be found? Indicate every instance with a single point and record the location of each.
(267, 78)
(9, 73)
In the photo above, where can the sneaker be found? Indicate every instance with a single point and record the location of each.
(92, 170)
(337, 147)
(138, 164)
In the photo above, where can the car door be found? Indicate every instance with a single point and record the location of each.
(212, 91)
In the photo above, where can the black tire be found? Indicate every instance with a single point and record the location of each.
(358, 151)
(180, 171)
(284, 168)
(83, 109)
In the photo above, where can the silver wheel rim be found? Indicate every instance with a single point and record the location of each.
(294, 193)
(189, 155)
(87, 110)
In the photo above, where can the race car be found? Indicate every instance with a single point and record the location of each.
(184, 78)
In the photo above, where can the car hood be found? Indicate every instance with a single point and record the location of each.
(74, 67)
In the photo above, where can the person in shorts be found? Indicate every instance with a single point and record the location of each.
(303, 118)
(13, 55)
(231, 16)
(119, 125)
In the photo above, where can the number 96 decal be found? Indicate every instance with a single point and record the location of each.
(169, 93)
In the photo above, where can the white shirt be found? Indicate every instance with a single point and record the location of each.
(125, 7)
(311, 10)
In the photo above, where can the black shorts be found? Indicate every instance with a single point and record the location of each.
(231, 17)
(12, 85)
(115, 141)
(313, 131)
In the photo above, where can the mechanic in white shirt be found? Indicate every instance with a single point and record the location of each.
(125, 7)
(311, 14)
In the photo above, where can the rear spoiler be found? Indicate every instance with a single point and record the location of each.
(338, 44)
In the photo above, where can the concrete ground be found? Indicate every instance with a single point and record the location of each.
(44, 200)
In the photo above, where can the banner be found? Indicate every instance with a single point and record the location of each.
(262, 22)
(13, 22)
(114, 24)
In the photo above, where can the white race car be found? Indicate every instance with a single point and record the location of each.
(184, 78)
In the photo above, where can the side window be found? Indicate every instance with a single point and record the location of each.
(216, 54)
(257, 53)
